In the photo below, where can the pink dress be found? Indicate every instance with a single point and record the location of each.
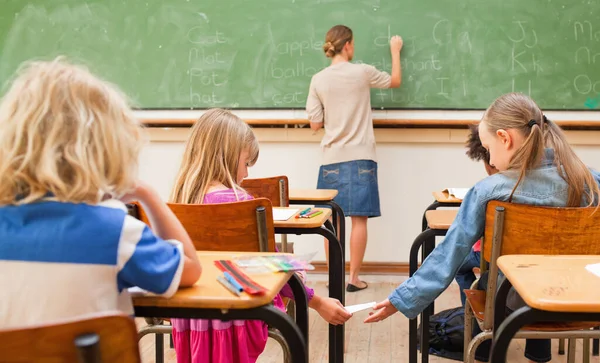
(215, 341)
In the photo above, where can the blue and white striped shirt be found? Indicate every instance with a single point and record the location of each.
(62, 260)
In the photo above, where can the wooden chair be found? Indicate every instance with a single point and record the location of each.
(241, 226)
(109, 337)
(276, 189)
(525, 229)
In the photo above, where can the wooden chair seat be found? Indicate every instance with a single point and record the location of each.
(476, 299)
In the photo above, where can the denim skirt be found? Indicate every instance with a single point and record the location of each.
(356, 183)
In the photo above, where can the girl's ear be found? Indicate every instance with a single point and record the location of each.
(505, 138)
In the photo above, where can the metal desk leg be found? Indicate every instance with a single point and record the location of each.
(336, 290)
(340, 228)
(500, 303)
(301, 305)
(425, 240)
(159, 348)
(291, 333)
(336, 283)
(432, 206)
(507, 330)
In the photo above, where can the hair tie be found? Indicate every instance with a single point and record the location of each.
(531, 123)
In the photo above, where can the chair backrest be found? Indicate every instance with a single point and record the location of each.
(522, 229)
(240, 226)
(275, 188)
(110, 337)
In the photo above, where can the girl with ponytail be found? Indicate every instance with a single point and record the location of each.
(536, 166)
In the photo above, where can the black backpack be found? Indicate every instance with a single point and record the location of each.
(446, 333)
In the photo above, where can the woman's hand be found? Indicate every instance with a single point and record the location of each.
(396, 43)
(331, 310)
(384, 309)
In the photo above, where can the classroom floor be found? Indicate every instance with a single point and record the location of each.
(381, 342)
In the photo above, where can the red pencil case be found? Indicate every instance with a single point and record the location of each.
(250, 286)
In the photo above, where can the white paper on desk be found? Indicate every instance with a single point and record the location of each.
(283, 214)
(458, 193)
(594, 268)
(358, 307)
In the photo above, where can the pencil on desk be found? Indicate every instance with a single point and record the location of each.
(315, 214)
(233, 281)
(228, 286)
(303, 213)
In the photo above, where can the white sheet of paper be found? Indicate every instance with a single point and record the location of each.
(358, 307)
(594, 268)
(283, 214)
(459, 193)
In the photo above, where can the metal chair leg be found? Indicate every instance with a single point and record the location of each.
(276, 335)
(561, 346)
(571, 351)
(586, 350)
(468, 333)
(469, 356)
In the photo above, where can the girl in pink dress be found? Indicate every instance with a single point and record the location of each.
(216, 159)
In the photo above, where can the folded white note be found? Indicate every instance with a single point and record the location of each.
(594, 268)
(458, 193)
(358, 307)
(283, 214)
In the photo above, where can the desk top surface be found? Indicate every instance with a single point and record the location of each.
(444, 197)
(321, 195)
(208, 293)
(440, 218)
(314, 222)
(554, 283)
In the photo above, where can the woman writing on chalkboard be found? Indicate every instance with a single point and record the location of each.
(339, 100)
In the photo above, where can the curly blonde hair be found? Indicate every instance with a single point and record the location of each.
(67, 134)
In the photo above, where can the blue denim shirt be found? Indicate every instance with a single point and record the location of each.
(541, 186)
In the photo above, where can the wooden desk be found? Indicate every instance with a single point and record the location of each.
(556, 288)
(554, 283)
(445, 198)
(312, 195)
(440, 219)
(207, 299)
(314, 222)
(323, 197)
(322, 226)
(441, 199)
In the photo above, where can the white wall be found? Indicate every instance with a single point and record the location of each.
(408, 172)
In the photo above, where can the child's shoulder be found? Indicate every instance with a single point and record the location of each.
(495, 186)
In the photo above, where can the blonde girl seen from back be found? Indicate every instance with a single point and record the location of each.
(218, 153)
(537, 166)
(68, 141)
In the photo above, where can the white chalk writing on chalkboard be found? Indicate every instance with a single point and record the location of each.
(583, 84)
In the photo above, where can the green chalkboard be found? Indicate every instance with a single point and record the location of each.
(262, 53)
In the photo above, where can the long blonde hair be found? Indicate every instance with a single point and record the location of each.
(519, 112)
(66, 133)
(212, 155)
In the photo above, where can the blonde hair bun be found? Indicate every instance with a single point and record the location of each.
(329, 49)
